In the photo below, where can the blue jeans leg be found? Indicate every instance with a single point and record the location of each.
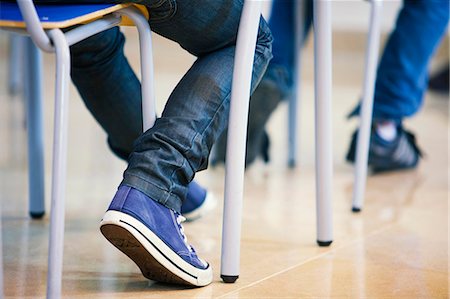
(282, 23)
(197, 110)
(402, 72)
(165, 158)
(109, 88)
(277, 82)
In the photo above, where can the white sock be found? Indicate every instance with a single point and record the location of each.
(387, 130)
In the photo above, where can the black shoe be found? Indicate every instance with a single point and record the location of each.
(439, 82)
(401, 153)
(262, 103)
(265, 147)
(255, 148)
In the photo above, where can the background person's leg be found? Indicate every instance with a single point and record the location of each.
(109, 88)
(401, 83)
(402, 73)
(277, 83)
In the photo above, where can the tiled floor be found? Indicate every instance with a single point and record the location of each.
(396, 248)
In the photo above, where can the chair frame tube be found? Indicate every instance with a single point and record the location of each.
(56, 41)
(323, 120)
(147, 66)
(294, 104)
(236, 146)
(59, 169)
(33, 98)
(34, 26)
(84, 31)
(15, 66)
(366, 109)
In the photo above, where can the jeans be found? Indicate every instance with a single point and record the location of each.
(282, 23)
(279, 75)
(164, 159)
(402, 75)
(402, 72)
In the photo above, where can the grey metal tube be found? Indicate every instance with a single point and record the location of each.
(56, 240)
(147, 76)
(237, 129)
(15, 63)
(34, 26)
(324, 158)
(33, 97)
(84, 31)
(363, 141)
(294, 99)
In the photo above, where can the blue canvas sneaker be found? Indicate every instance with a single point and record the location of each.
(401, 153)
(152, 236)
(197, 203)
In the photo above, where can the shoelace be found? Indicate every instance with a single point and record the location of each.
(181, 219)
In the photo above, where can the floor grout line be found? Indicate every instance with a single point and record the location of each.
(308, 260)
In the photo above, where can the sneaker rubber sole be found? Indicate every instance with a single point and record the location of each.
(155, 259)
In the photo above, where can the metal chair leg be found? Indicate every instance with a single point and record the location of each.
(33, 98)
(362, 145)
(1, 256)
(147, 74)
(237, 130)
(56, 242)
(324, 162)
(15, 67)
(294, 100)
(293, 103)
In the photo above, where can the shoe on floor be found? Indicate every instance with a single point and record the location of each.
(152, 236)
(439, 82)
(401, 153)
(198, 202)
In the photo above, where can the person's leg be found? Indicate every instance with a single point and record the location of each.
(401, 82)
(117, 107)
(96, 63)
(277, 81)
(402, 72)
(276, 84)
(282, 24)
(179, 143)
(143, 219)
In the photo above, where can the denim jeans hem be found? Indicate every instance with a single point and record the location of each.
(377, 116)
(168, 199)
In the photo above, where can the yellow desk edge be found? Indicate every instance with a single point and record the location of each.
(84, 19)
